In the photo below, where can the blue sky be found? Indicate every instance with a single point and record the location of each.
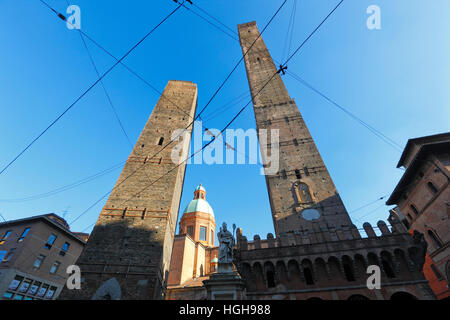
(396, 79)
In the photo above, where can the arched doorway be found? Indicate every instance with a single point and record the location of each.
(314, 299)
(403, 296)
(357, 297)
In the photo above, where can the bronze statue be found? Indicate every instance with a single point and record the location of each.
(226, 240)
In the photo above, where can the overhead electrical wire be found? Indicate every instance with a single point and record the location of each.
(376, 132)
(199, 114)
(68, 186)
(242, 109)
(108, 97)
(89, 88)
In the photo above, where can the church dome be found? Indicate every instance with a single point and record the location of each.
(199, 204)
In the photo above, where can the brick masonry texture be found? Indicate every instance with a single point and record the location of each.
(303, 180)
(133, 237)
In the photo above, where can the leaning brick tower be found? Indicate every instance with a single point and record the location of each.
(128, 253)
(302, 192)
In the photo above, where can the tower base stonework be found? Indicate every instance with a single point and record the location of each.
(225, 285)
(128, 254)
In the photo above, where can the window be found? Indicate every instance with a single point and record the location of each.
(190, 231)
(432, 187)
(38, 262)
(34, 288)
(25, 285)
(297, 174)
(284, 174)
(5, 236)
(306, 171)
(270, 279)
(160, 142)
(348, 272)
(212, 237)
(202, 233)
(305, 194)
(8, 295)
(50, 241)
(15, 283)
(436, 272)
(308, 275)
(18, 297)
(295, 142)
(3, 254)
(50, 293)
(435, 239)
(406, 223)
(23, 235)
(414, 209)
(388, 269)
(55, 267)
(9, 255)
(64, 249)
(42, 290)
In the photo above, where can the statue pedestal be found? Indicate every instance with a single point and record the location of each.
(225, 285)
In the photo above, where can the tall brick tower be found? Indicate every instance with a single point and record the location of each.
(302, 192)
(128, 253)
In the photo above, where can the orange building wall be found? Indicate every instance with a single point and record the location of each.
(439, 287)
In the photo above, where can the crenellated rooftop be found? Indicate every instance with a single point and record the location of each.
(321, 234)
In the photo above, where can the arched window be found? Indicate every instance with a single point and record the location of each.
(435, 239)
(432, 187)
(304, 193)
(388, 269)
(348, 272)
(308, 275)
(270, 279)
(358, 297)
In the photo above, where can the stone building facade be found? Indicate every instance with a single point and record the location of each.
(129, 251)
(34, 255)
(331, 265)
(422, 197)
